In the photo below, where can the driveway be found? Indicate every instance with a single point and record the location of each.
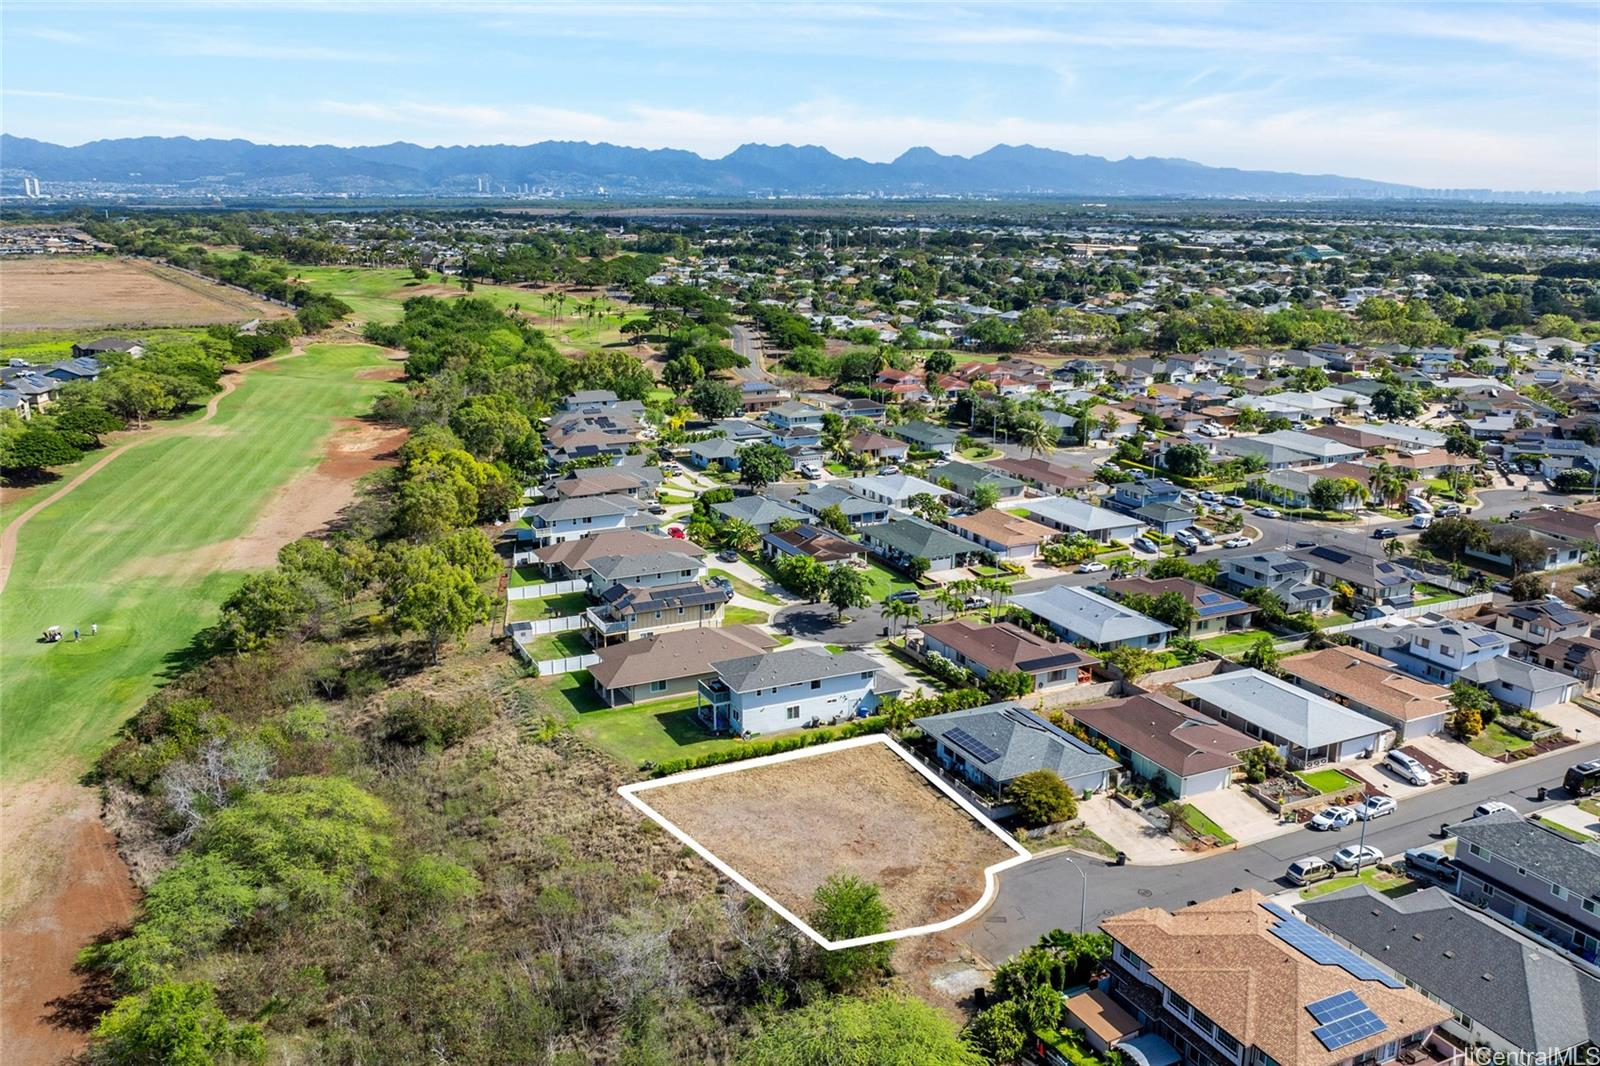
(1453, 755)
(1126, 831)
(1573, 817)
(818, 622)
(1243, 817)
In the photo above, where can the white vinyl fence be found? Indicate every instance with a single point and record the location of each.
(1418, 610)
(538, 627)
(549, 588)
(569, 665)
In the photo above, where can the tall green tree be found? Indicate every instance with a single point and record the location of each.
(845, 907)
(847, 588)
(879, 1030)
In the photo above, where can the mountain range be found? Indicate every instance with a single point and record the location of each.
(577, 168)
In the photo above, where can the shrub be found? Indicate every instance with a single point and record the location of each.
(177, 1022)
(757, 748)
(845, 907)
(417, 720)
(1042, 798)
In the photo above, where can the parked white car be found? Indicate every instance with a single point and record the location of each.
(1375, 807)
(1268, 512)
(1236, 542)
(1492, 807)
(1352, 855)
(1407, 768)
(1332, 818)
(1092, 568)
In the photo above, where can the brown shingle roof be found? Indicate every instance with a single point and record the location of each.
(1045, 472)
(573, 554)
(868, 441)
(677, 653)
(1007, 647)
(1004, 529)
(1368, 681)
(1220, 956)
(1165, 732)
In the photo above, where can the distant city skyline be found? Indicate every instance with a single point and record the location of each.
(1503, 96)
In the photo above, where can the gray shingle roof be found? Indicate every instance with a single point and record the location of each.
(1089, 614)
(965, 478)
(776, 669)
(1300, 717)
(759, 510)
(1020, 740)
(1526, 993)
(1537, 850)
(916, 538)
(620, 567)
(584, 507)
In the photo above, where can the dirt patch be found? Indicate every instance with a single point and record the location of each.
(306, 506)
(71, 889)
(382, 373)
(64, 293)
(788, 826)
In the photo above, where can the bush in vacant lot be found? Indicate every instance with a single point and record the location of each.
(884, 1030)
(845, 907)
(415, 719)
(1042, 798)
(178, 1022)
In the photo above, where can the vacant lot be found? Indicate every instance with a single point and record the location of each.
(88, 294)
(863, 811)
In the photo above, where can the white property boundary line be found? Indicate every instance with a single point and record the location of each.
(990, 873)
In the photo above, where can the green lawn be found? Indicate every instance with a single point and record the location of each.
(662, 729)
(1426, 594)
(128, 549)
(1237, 642)
(744, 588)
(526, 575)
(882, 581)
(1387, 883)
(1576, 835)
(559, 606)
(1495, 741)
(1327, 781)
(744, 616)
(1591, 806)
(559, 645)
(1199, 823)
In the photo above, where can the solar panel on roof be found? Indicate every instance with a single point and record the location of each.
(979, 750)
(1485, 640)
(1332, 1008)
(1348, 1030)
(1324, 951)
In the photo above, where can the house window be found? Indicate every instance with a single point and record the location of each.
(1590, 906)
(1558, 892)
(680, 612)
(816, 684)
(792, 713)
(658, 686)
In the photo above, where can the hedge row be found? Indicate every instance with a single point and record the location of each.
(757, 748)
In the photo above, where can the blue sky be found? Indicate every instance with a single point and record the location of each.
(1442, 95)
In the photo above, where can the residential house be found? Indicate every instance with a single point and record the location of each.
(1573, 529)
(1445, 650)
(1074, 516)
(1538, 621)
(1089, 620)
(1006, 535)
(1160, 740)
(1286, 448)
(928, 438)
(813, 542)
(569, 559)
(644, 569)
(109, 346)
(901, 540)
(861, 407)
(1369, 684)
(589, 400)
(1307, 729)
(775, 691)
(715, 451)
(858, 510)
(964, 479)
(1288, 578)
(1156, 502)
(551, 523)
(1532, 876)
(756, 396)
(992, 746)
(1006, 648)
(670, 663)
(792, 414)
(640, 483)
(893, 490)
(741, 432)
(1214, 612)
(1045, 475)
(629, 612)
(1506, 992)
(1240, 980)
(878, 448)
(1577, 657)
(759, 511)
(1374, 579)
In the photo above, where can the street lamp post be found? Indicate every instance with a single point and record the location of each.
(1083, 900)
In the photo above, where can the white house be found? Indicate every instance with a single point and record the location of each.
(786, 690)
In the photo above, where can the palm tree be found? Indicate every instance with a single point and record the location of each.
(1387, 483)
(1034, 434)
(949, 601)
(740, 535)
(901, 611)
(996, 588)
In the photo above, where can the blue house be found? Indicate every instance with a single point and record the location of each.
(791, 414)
(718, 450)
(1156, 502)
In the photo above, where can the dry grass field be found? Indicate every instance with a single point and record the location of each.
(46, 293)
(864, 811)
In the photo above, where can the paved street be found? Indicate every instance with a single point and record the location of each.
(746, 343)
(1046, 893)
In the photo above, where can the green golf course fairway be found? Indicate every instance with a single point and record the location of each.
(112, 552)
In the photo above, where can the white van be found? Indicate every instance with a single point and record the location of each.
(1407, 768)
(1310, 869)
(1421, 521)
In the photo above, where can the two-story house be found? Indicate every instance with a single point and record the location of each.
(1541, 621)
(1445, 650)
(1156, 502)
(643, 570)
(1288, 578)
(631, 612)
(792, 414)
(782, 690)
(552, 523)
(1241, 981)
(1005, 648)
(1532, 876)
(857, 510)
(1371, 578)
